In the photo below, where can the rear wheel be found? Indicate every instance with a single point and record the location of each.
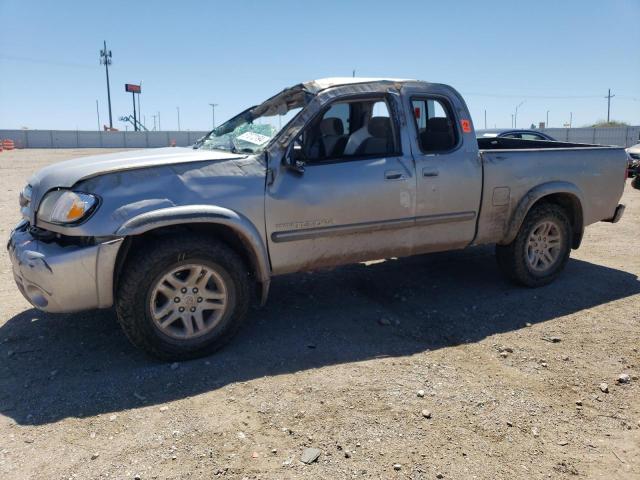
(182, 298)
(540, 250)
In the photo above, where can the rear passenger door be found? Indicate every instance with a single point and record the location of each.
(448, 170)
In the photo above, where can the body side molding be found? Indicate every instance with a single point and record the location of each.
(365, 227)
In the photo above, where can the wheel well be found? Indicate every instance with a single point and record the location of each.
(219, 232)
(570, 204)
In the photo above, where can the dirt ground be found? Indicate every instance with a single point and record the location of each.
(511, 376)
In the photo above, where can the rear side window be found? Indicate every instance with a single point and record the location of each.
(435, 123)
(532, 136)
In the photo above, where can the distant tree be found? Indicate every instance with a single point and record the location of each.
(612, 123)
(532, 127)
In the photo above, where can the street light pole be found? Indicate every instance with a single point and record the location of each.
(213, 115)
(547, 124)
(515, 118)
(178, 109)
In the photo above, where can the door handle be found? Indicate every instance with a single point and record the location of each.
(429, 173)
(393, 175)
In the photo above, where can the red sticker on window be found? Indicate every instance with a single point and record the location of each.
(466, 125)
(416, 112)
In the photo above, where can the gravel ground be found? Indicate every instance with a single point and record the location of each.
(351, 362)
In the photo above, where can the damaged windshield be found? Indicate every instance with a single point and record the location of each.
(252, 130)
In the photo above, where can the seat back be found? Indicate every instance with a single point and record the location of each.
(438, 135)
(381, 139)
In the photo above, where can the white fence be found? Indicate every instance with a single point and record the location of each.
(623, 136)
(95, 139)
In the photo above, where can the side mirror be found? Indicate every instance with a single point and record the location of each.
(293, 158)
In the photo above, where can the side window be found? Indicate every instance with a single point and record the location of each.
(531, 136)
(350, 129)
(436, 126)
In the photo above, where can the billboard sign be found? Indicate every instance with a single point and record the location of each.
(130, 87)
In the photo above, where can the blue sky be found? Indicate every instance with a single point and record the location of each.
(560, 56)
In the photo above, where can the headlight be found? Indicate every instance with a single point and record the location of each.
(64, 207)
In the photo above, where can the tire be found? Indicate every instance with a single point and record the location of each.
(635, 183)
(156, 273)
(517, 260)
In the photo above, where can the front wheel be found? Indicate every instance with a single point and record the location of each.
(182, 298)
(540, 250)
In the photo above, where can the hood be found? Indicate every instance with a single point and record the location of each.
(635, 149)
(68, 173)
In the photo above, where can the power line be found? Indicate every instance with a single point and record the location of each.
(45, 62)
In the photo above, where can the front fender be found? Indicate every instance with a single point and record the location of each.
(534, 195)
(170, 216)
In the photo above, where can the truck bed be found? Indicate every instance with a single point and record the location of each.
(512, 167)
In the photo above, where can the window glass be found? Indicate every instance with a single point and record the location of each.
(436, 126)
(340, 111)
(531, 136)
(380, 109)
(346, 130)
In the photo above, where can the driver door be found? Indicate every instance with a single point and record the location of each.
(354, 201)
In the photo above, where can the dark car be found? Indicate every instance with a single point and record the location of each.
(634, 160)
(522, 134)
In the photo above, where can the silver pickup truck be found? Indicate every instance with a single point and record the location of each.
(328, 172)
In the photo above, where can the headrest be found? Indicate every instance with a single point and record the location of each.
(438, 124)
(331, 126)
(379, 127)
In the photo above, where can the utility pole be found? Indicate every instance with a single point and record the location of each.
(570, 119)
(139, 109)
(354, 73)
(154, 122)
(547, 124)
(105, 59)
(485, 118)
(512, 120)
(609, 97)
(159, 126)
(135, 124)
(178, 109)
(98, 113)
(213, 115)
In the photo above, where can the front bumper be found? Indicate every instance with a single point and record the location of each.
(57, 278)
